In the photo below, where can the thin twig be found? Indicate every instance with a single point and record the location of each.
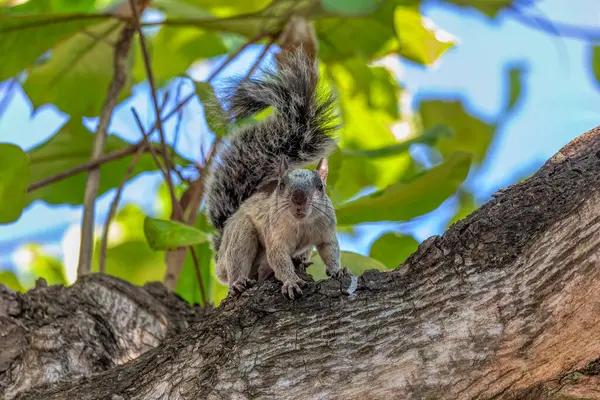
(114, 206)
(175, 205)
(179, 120)
(554, 28)
(260, 58)
(150, 75)
(237, 53)
(167, 173)
(93, 180)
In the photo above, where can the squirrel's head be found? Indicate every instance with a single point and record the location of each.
(302, 191)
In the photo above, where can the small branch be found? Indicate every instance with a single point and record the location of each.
(554, 28)
(177, 209)
(93, 181)
(148, 67)
(114, 206)
(237, 53)
(115, 203)
(179, 121)
(260, 58)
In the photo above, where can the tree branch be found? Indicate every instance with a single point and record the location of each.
(554, 28)
(500, 305)
(93, 181)
(149, 74)
(114, 205)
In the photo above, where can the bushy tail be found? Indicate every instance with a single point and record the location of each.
(300, 129)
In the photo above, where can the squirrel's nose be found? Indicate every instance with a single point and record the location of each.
(299, 197)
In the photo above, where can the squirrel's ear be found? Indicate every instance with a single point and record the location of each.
(283, 166)
(323, 169)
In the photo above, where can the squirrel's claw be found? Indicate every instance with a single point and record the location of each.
(242, 284)
(291, 288)
(339, 274)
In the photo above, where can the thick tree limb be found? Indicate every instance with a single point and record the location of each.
(503, 305)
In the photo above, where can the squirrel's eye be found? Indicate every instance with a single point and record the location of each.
(281, 185)
(320, 186)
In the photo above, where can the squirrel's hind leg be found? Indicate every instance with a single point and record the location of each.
(237, 252)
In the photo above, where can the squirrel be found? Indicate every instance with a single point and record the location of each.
(268, 211)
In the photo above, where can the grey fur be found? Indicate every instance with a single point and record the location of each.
(250, 201)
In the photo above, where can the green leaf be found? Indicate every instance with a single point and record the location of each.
(216, 118)
(228, 8)
(419, 41)
(515, 82)
(170, 235)
(393, 248)
(404, 201)
(51, 6)
(27, 37)
(81, 61)
(369, 108)
(469, 134)
(9, 279)
(174, 49)
(596, 62)
(351, 8)
(356, 263)
(341, 38)
(70, 147)
(487, 7)
(14, 179)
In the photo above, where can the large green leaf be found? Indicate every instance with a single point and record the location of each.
(469, 134)
(24, 38)
(356, 263)
(351, 8)
(404, 201)
(49, 7)
(71, 147)
(419, 41)
(393, 248)
(170, 235)
(174, 49)
(78, 74)
(341, 38)
(14, 179)
(228, 8)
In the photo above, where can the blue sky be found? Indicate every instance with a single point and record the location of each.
(560, 98)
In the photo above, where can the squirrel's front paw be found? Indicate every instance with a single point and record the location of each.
(242, 284)
(339, 273)
(291, 288)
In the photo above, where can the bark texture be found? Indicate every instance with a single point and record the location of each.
(504, 305)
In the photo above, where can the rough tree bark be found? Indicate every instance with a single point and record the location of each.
(503, 305)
